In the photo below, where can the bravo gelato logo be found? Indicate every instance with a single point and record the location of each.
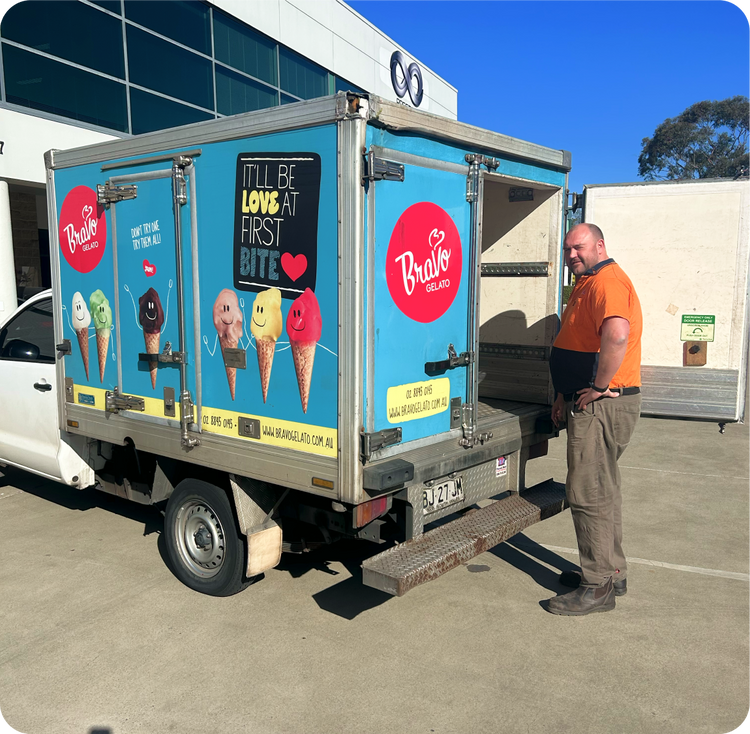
(83, 229)
(276, 222)
(423, 264)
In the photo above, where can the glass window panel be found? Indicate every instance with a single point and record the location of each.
(185, 22)
(70, 30)
(235, 93)
(169, 69)
(112, 5)
(286, 99)
(149, 112)
(300, 76)
(30, 335)
(34, 81)
(238, 46)
(344, 86)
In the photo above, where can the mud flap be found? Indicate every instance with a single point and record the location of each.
(254, 502)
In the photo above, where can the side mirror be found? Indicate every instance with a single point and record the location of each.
(21, 350)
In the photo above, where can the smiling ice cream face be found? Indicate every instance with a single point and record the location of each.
(303, 323)
(151, 313)
(266, 321)
(227, 316)
(81, 317)
(101, 313)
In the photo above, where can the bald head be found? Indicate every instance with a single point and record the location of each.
(584, 247)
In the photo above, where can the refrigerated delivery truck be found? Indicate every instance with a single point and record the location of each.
(325, 320)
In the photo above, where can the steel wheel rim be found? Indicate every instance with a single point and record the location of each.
(200, 539)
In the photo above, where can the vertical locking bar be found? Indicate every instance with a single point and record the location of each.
(179, 199)
(473, 196)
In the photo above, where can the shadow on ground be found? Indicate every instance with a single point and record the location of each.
(82, 500)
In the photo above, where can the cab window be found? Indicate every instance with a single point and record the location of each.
(29, 336)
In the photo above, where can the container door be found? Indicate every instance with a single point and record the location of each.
(694, 349)
(419, 270)
(153, 307)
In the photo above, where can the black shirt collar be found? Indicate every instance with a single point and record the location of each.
(599, 266)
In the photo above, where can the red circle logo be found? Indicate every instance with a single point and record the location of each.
(423, 264)
(83, 229)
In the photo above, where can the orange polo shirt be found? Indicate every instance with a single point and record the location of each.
(601, 292)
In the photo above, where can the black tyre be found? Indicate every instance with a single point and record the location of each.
(205, 549)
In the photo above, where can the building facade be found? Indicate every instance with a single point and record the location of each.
(77, 72)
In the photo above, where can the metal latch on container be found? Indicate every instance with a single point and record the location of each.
(107, 194)
(115, 401)
(372, 442)
(454, 360)
(167, 355)
(64, 348)
(379, 169)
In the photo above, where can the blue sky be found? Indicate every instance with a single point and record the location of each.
(591, 77)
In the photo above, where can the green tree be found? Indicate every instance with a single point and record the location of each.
(708, 140)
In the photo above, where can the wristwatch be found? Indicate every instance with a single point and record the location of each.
(600, 389)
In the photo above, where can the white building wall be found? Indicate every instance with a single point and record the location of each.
(26, 138)
(332, 34)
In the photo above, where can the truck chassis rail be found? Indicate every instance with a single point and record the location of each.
(422, 559)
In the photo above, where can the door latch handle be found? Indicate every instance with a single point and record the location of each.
(454, 360)
(43, 386)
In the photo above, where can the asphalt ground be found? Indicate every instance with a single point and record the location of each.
(96, 634)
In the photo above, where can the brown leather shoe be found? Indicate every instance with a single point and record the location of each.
(573, 580)
(584, 600)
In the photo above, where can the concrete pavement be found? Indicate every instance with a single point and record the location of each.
(97, 635)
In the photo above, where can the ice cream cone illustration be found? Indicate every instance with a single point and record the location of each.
(266, 326)
(81, 322)
(303, 325)
(102, 317)
(228, 323)
(151, 318)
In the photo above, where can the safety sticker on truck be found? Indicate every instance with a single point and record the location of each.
(697, 328)
(418, 400)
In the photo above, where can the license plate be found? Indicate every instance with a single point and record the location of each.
(441, 495)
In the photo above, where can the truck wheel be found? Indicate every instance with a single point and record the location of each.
(204, 546)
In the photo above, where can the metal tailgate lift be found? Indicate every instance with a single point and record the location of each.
(424, 558)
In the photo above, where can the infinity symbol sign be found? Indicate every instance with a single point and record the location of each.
(403, 85)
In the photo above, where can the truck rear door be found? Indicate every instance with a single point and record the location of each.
(418, 294)
(685, 246)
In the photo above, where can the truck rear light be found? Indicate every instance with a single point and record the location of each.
(368, 511)
(322, 483)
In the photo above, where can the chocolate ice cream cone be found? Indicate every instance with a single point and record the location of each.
(83, 343)
(266, 347)
(152, 347)
(102, 345)
(304, 356)
(231, 371)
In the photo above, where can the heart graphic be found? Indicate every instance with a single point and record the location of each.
(149, 269)
(293, 266)
(86, 212)
(436, 238)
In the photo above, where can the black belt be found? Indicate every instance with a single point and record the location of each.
(621, 390)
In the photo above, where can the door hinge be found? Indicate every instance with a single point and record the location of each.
(379, 169)
(107, 194)
(115, 401)
(371, 442)
(454, 360)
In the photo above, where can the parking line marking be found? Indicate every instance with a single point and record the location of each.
(664, 471)
(661, 564)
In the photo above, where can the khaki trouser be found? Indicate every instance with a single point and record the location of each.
(597, 437)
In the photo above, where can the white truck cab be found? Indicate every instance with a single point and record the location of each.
(30, 435)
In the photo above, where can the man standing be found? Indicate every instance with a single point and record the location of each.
(595, 366)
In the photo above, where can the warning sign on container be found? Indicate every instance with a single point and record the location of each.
(697, 328)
